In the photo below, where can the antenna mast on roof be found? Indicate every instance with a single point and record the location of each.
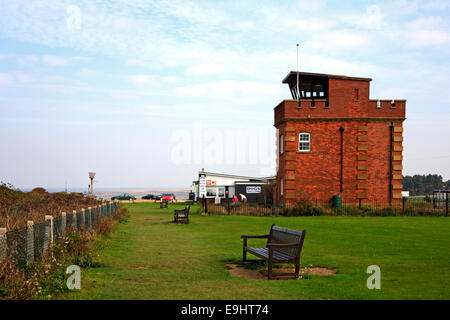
(298, 91)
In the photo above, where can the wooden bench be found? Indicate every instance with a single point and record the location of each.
(164, 204)
(283, 246)
(181, 215)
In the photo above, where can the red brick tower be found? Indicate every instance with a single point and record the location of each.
(338, 141)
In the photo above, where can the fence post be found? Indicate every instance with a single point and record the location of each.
(82, 218)
(93, 215)
(30, 242)
(446, 204)
(88, 217)
(74, 220)
(63, 224)
(48, 235)
(403, 204)
(3, 244)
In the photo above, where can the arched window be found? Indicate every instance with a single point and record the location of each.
(304, 142)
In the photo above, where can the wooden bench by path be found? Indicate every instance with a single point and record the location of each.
(283, 246)
(181, 216)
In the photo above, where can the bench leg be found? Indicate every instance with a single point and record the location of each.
(297, 269)
(244, 252)
(269, 269)
(269, 264)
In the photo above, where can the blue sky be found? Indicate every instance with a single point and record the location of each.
(117, 87)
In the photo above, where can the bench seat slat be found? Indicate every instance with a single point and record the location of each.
(264, 253)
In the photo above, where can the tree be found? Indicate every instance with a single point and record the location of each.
(423, 184)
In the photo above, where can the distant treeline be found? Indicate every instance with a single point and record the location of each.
(419, 185)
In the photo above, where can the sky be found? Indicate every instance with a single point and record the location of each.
(146, 93)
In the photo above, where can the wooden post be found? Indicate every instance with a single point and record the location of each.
(74, 220)
(48, 235)
(82, 223)
(30, 242)
(88, 217)
(446, 204)
(3, 244)
(63, 224)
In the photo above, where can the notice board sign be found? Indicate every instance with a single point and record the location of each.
(202, 186)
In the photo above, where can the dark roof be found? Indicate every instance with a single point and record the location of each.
(292, 76)
(236, 176)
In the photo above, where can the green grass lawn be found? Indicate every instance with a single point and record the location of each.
(148, 258)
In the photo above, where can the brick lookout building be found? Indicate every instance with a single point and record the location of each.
(338, 141)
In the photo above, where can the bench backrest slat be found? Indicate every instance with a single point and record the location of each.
(283, 235)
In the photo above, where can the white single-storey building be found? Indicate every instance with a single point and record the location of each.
(219, 185)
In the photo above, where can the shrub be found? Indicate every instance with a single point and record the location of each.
(46, 278)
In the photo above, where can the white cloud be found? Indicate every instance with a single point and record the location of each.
(421, 38)
(6, 79)
(245, 92)
(23, 77)
(82, 59)
(85, 72)
(141, 80)
(205, 69)
(436, 5)
(52, 78)
(55, 61)
(26, 61)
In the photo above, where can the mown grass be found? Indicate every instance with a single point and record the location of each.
(149, 258)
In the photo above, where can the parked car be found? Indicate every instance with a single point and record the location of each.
(149, 197)
(168, 197)
(124, 196)
(158, 196)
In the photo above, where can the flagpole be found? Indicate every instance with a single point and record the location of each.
(298, 91)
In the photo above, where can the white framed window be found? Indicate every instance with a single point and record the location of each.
(304, 142)
(211, 191)
(281, 186)
(281, 144)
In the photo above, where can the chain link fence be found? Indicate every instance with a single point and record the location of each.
(30, 243)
